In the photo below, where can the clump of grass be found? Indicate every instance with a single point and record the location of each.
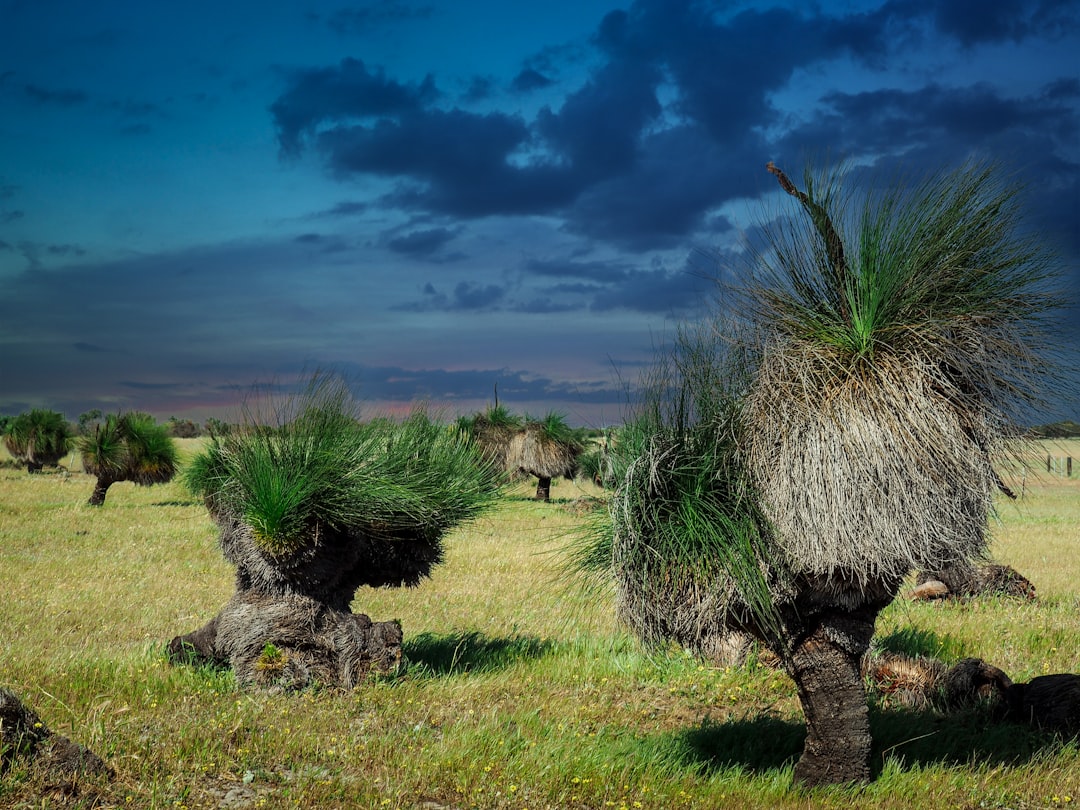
(319, 465)
(687, 543)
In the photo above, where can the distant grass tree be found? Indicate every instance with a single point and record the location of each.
(783, 484)
(313, 505)
(492, 431)
(127, 447)
(39, 438)
(545, 448)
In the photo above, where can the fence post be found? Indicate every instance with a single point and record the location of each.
(1068, 466)
(1048, 461)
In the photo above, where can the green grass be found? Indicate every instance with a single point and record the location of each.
(521, 693)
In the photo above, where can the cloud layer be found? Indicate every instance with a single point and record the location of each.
(437, 197)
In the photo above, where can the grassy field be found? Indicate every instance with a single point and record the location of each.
(522, 691)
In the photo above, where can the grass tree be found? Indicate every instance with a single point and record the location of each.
(39, 438)
(127, 447)
(312, 506)
(545, 448)
(492, 431)
(783, 484)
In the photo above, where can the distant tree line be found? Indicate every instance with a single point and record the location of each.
(1066, 429)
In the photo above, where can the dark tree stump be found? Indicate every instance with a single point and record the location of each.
(1049, 702)
(22, 733)
(543, 489)
(290, 641)
(973, 579)
(289, 624)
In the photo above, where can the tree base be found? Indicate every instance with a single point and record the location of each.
(290, 642)
(825, 665)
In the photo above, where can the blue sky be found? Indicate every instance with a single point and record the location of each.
(435, 198)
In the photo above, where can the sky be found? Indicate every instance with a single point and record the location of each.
(442, 201)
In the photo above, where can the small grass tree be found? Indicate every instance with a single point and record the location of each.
(39, 437)
(492, 431)
(313, 504)
(127, 447)
(783, 485)
(545, 448)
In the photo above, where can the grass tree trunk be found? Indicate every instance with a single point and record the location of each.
(543, 488)
(101, 487)
(289, 624)
(825, 667)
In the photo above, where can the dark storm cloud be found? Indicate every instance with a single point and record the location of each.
(609, 159)
(602, 271)
(619, 165)
(422, 243)
(467, 296)
(655, 291)
(344, 92)
(478, 385)
(476, 296)
(884, 118)
(479, 89)
(342, 209)
(451, 162)
(681, 174)
(598, 127)
(973, 22)
(529, 80)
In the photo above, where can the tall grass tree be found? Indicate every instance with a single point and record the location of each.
(312, 505)
(127, 447)
(886, 345)
(39, 438)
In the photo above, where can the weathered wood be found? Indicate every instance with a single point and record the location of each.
(289, 641)
(974, 579)
(1049, 702)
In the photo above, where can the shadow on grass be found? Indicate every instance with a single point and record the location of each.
(469, 651)
(753, 745)
(765, 744)
(965, 738)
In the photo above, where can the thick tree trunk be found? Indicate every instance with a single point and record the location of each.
(289, 641)
(289, 623)
(97, 497)
(543, 489)
(825, 664)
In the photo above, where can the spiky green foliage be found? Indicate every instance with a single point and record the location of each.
(687, 543)
(897, 333)
(38, 437)
(128, 447)
(320, 466)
